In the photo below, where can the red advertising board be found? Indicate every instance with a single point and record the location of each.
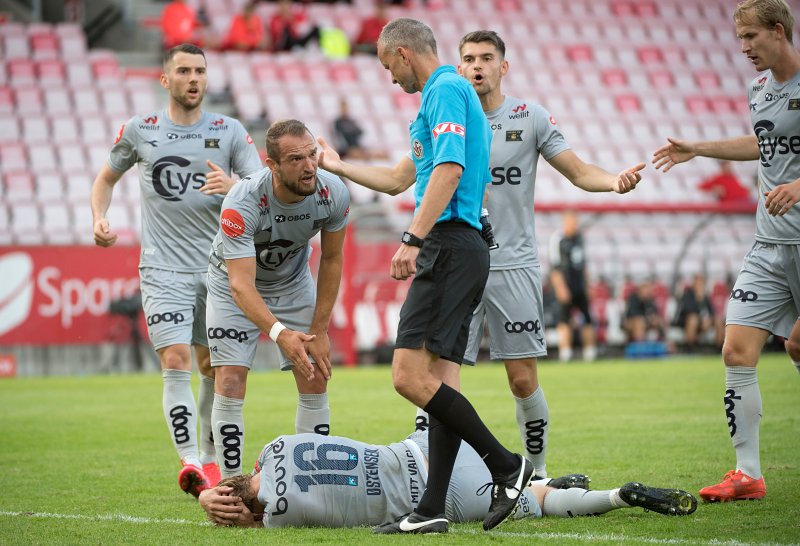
(53, 295)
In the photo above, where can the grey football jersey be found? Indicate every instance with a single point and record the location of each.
(775, 114)
(521, 131)
(253, 223)
(329, 481)
(179, 221)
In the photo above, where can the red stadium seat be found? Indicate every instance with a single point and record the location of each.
(706, 79)
(21, 71)
(580, 53)
(623, 8)
(628, 103)
(698, 104)
(13, 156)
(7, 103)
(615, 77)
(646, 9)
(9, 129)
(51, 71)
(342, 72)
(19, 187)
(44, 45)
(661, 78)
(650, 54)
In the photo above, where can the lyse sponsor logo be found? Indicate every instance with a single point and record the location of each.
(519, 327)
(230, 333)
(534, 436)
(743, 295)
(158, 318)
(232, 443)
(232, 223)
(501, 175)
(169, 179)
(449, 127)
(271, 255)
(180, 417)
(71, 297)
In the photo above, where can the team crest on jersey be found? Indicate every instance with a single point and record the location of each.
(514, 136)
(212, 143)
(416, 147)
(794, 104)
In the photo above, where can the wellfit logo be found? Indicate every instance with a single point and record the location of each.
(520, 112)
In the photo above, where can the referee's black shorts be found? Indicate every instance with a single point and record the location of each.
(452, 268)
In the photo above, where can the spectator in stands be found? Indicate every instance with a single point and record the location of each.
(290, 27)
(725, 186)
(570, 282)
(695, 313)
(766, 296)
(180, 24)
(348, 134)
(246, 32)
(367, 39)
(643, 322)
(178, 224)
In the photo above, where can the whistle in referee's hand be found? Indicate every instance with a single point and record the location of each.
(486, 230)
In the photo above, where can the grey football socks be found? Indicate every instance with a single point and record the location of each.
(569, 503)
(533, 418)
(228, 425)
(743, 410)
(313, 414)
(205, 402)
(180, 412)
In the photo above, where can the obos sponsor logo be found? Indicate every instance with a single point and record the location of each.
(232, 223)
(449, 127)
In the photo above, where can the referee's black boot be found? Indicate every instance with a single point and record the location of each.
(413, 523)
(506, 493)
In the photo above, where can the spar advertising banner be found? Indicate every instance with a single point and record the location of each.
(53, 295)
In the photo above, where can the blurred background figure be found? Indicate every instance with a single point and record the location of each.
(570, 282)
(695, 313)
(367, 39)
(347, 133)
(181, 24)
(291, 27)
(643, 322)
(726, 186)
(247, 32)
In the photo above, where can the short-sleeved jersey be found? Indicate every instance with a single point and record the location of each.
(329, 481)
(569, 256)
(521, 132)
(254, 223)
(179, 221)
(450, 127)
(775, 114)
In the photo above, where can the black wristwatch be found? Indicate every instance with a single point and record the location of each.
(411, 240)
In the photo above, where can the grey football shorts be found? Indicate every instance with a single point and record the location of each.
(174, 307)
(514, 312)
(767, 291)
(233, 338)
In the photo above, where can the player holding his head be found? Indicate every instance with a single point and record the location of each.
(259, 281)
(512, 301)
(307, 480)
(184, 155)
(766, 296)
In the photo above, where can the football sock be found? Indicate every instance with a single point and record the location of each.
(313, 414)
(228, 425)
(180, 413)
(743, 410)
(422, 422)
(616, 500)
(565, 355)
(205, 401)
(533, 416)
(569, 503)
(453, 410)
(796, 365)
(443, 447)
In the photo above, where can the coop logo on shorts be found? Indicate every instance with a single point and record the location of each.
(744, 295)
(229, 333)
(519, 327)
(417, 149)
(171, 180)
(158, 318)
(16, 290)
(232, 223)
(449, 127)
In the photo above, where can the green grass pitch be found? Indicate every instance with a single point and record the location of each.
(87, 460)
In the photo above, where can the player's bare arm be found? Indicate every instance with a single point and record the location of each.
(594, 179)
(390, 180)
(744, 148)
(102, 190)
(241, 275)
(328, 280)
(441, 186)
(217, 181)
(780, 200)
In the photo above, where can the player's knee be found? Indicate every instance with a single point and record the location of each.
(522, 385)
(737, 354)
(793, 349)
(231, 385)
(176, 357)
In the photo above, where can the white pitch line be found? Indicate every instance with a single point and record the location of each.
(102, 517)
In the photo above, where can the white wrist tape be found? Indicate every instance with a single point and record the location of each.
(275, 331)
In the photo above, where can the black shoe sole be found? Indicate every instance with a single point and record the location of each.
(670, 502)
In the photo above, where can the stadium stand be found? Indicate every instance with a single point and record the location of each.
(619, 76)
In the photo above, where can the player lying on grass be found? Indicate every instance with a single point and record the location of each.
(308, 480)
